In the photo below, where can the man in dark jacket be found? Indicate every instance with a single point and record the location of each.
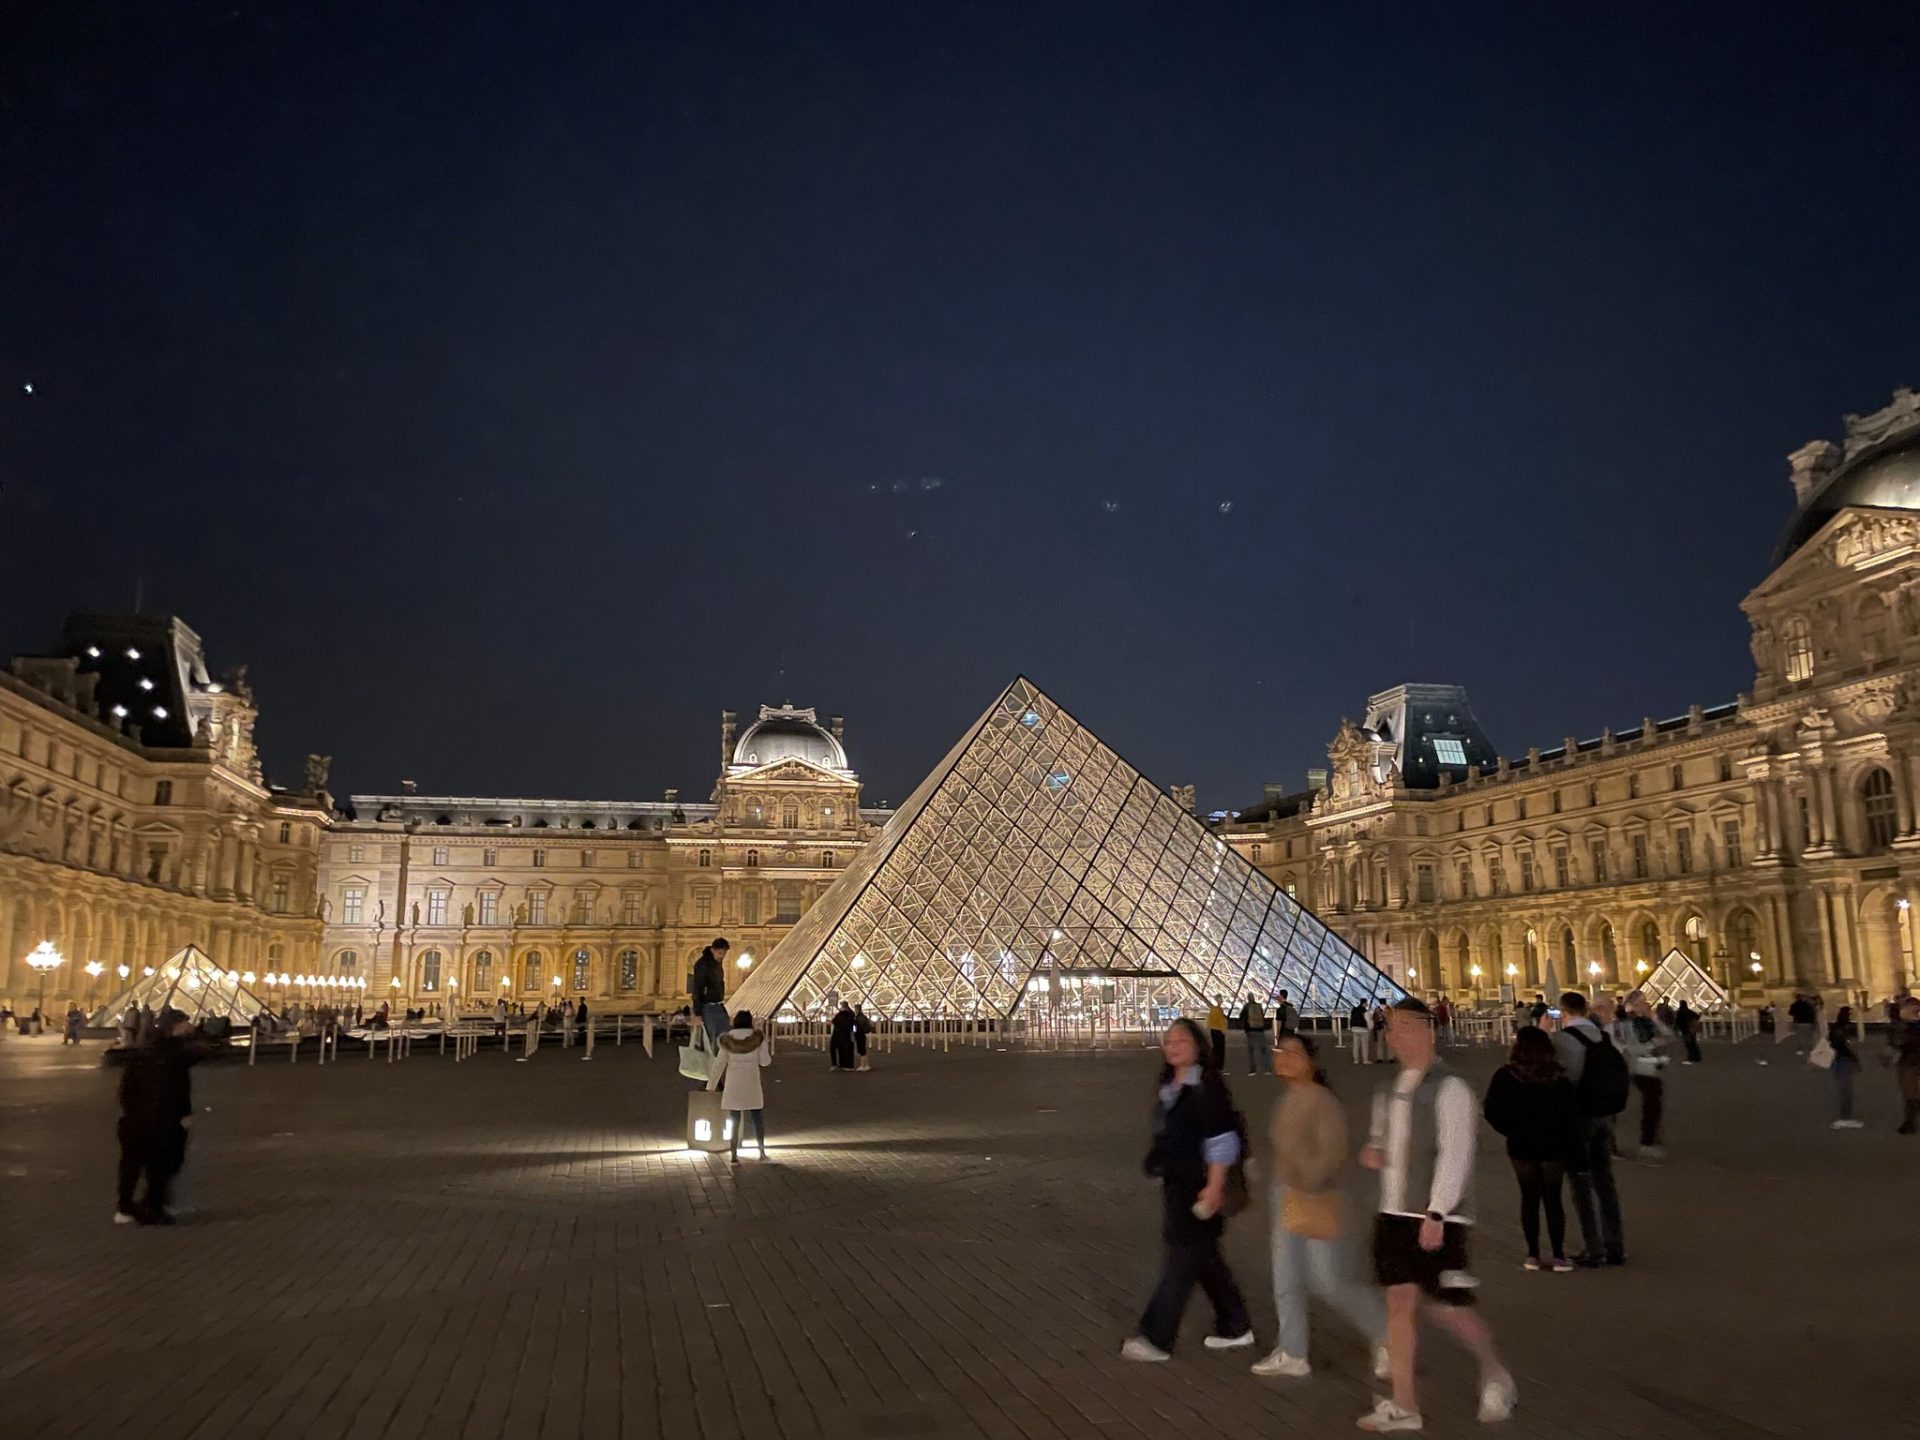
(840, 1037)
(708, 989)
(156, 1108)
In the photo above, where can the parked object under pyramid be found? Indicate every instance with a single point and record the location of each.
(1035, 867)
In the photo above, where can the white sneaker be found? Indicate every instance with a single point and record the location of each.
(1229, 1342)
(1292, 1367)
(1849, 1124)
(1382, 1363)
(121, 1217)
(1387, 1418)
(1498, 1396)
(1140, 1348)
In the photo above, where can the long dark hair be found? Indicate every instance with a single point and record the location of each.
(1202, 1048)
(1294, 1037)
(1533, 1058)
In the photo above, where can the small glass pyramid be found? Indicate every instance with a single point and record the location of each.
(1034, 864)
(1679, 977)
(192, 984)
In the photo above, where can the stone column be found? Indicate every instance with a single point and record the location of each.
(1836, 831)
(1765, 842)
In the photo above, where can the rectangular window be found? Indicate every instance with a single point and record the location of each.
(1678, 782)
(536, 907)
(356, 854)
(633, 859)
(1423, 884)
(1256, 854)
(1466, 880)
(1683, 851)
(286, 834)
(586, 859)
(1496, 875)
(489, 858)
(750, 908)
(1523, 807)
(1526, 870)
(277, 901)
(1293, 891)
(530, 977)
(583, 909)
(489, 907)
(632, 908)
(156, 862)
(1598, 850)
(436, 907)
(629, 970)
(1730, 840)
(786, 904)
(703, 907)
(539, 859)
(163, 792)
(1449, 752)
(1639, 857)
(1806, 821)
(352, 902)
(440, 855)
(1562, 868)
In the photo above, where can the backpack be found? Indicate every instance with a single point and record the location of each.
(1604, 1083)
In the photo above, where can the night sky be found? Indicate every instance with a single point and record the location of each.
(514, 387)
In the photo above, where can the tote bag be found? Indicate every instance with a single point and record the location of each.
(1821, 1056)
(696, 1061)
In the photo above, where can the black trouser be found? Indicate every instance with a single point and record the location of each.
(1219, 1049)
(1192, 1257)
(1653, 1107)
(157, 1152)
(840, 1051)
(1593, 1179)
(1540, 1189)
(1692, 1042)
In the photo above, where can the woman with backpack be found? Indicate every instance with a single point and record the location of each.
(1531, 1102)
(1309, 1134)
(1198, 1154)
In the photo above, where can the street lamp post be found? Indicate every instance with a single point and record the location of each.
(94, 971)
(46, 960)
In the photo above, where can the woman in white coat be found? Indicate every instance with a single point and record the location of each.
(743, 1053)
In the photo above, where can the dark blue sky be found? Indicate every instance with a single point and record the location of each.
(517, 386)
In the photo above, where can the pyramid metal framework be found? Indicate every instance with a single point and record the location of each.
(191, 983)
(1032, 860)
(1678, 976)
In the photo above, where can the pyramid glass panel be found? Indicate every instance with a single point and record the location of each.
(1034, 851)
(1679, 977)
(191, 983)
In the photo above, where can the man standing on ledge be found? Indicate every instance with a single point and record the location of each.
(708, 990)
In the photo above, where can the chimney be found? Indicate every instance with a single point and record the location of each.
(837, 725)
(1316, 779)
(407, 787)
(1812, 464)
(727, 719)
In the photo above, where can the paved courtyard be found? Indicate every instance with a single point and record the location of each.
(953, 1245)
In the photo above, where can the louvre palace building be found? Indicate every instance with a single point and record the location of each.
(1772, 837)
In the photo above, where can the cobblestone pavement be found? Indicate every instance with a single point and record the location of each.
(953, 1245)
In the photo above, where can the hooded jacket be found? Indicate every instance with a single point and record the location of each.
(743, 1054)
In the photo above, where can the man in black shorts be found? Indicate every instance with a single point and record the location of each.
(1422, 1140)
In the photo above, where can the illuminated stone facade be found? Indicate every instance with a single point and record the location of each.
(439, 899)
(134, 818)
(1777, 831)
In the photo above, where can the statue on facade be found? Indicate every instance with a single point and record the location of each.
(319, 767)
(1761, 643)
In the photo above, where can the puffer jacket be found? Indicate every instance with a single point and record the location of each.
(736, 1069)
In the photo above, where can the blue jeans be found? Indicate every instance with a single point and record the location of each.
(1259, 1051)
(1840, 1074)
(1301, 1266)
(714, 1016)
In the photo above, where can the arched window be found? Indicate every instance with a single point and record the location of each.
(1430, 970)
(530, 969)
(1569, 966)
(1874, 624)
(753, 859)
(1796, 649)
(1695, 931)
(1649, 942)
(1609, 953)
(1533, 957)
(430, 970)
(1496, 958)
(1462, 959)
(482, 971)
(629, 970)
(826, 859)
(786, 901)
(347, 962)
(790, 816)
(1877, 803)
(582, 970)
(1743, 934)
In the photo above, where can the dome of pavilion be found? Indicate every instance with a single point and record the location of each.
(784, 733)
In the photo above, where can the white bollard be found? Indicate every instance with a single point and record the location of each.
(616, 1030)
(647, 1040)
(590, 1029)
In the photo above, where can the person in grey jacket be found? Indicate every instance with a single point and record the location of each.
(1603, 1236)
(1644, 1040)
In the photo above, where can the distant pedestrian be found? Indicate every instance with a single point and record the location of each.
(707, 988)
(1217, 1034)
(76, 1020)
(1422, 1143)
(1310, 1147)
(129, 1027)
(1643, 1040)
(1285, 1014)
(743, 1053)
(840, 1047)
(1800, 1022)
(1360, 1027)
(1904, 1039)
(1537, 1011)
(1443, 1021)
(1531, 1102)
(1766, 1018)
(156, 1111)
(1253, 1020)
(1198, 1151)
(862, 1027)
(1686, 1024)
(581, 1020)
(1843, 1065)
(1381, 1056)
(1601, 1084)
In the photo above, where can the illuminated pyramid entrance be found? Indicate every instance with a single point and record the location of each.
(1036, 865)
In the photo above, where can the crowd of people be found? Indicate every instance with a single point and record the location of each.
(1569, 1081)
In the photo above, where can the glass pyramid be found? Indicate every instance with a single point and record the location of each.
(1679, 977)
(1035, 865)
(191, 983)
